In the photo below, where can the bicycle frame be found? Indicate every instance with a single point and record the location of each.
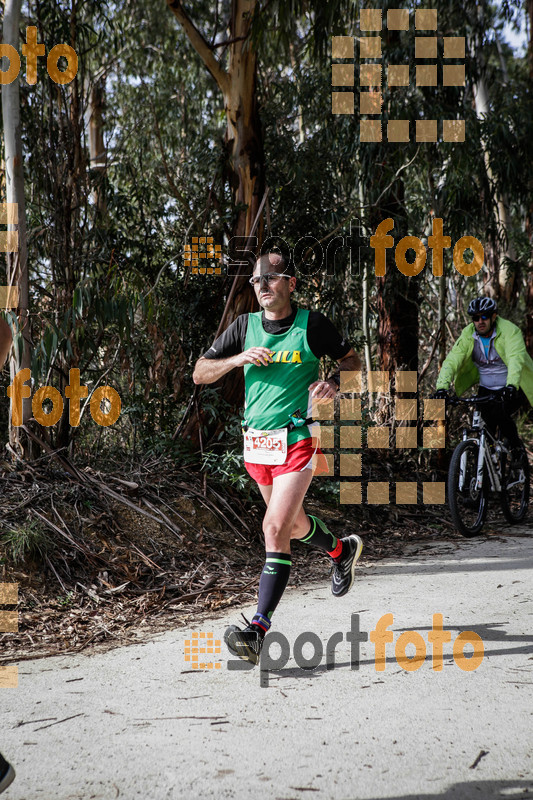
(478, 467)
(484, 456)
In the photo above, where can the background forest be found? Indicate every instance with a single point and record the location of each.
(215, 119)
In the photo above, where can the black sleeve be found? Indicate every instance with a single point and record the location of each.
(231, 341)
(324, 339)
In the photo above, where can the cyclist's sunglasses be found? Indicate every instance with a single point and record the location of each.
(477, 317)
(269, 277)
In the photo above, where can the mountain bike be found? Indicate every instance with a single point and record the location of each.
(482, 463)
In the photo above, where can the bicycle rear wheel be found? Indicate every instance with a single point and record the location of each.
(468, 505)
(515, 488)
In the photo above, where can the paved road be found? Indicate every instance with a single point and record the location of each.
(136, 722)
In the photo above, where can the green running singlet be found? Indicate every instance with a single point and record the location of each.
(274, 392)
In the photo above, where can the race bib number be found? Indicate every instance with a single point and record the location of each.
(265, 447)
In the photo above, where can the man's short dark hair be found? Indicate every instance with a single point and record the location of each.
(288, 269)
(281, 266)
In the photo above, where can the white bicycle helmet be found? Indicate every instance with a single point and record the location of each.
(482, 305)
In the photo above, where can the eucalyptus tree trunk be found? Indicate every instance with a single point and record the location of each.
(237, 84)
(442, 320)
(364, 324)
(66, 259)
(364, 310)
(97, 150)
(245, 157)
(397, 303)
(503, 251)
(397, 295)
(17, 263)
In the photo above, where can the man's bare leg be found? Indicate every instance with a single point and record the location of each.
(285, 519)
(289, 493)
(303, 526)
(284, 516)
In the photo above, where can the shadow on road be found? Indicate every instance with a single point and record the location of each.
(484, 790)
(489, 632)
(495, 563)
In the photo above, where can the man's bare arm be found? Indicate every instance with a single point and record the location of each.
(325, 390)
(348, 363)
(209, 370)
(351, 361)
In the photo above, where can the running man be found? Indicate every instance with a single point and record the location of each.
(280, 349)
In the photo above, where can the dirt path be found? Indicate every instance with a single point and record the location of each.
(138, 722)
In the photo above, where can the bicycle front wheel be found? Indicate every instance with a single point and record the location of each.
(468, 504)
(515, 488)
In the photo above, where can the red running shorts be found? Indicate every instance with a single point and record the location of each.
(299, 457)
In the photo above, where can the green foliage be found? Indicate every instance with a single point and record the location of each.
(66, 601)
(109, 291)
(25, 542)
(228, 468)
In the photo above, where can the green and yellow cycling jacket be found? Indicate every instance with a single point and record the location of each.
(510, 346)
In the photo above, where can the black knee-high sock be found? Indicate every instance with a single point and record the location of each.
(320, 536)
(272, 583)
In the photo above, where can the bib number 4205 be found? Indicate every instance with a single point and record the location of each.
(265, 447)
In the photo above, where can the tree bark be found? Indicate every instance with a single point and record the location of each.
(397, 303)
(366, 289)
(69, 252)
(502, 250)
(97, 150)
(17, 263)
(397, 295)
(238, 87)
(245, 156)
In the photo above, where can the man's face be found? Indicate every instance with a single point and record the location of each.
(274, 293)
(484, 326)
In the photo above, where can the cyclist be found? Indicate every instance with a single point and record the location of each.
(491, 351)
(280, 349)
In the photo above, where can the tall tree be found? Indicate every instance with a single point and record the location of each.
(245, 162)
(235, 74)
(17, 262)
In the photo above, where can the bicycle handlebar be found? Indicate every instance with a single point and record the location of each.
(475, 400)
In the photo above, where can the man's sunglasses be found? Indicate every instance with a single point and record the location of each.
(477, 317)
(269, 277)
